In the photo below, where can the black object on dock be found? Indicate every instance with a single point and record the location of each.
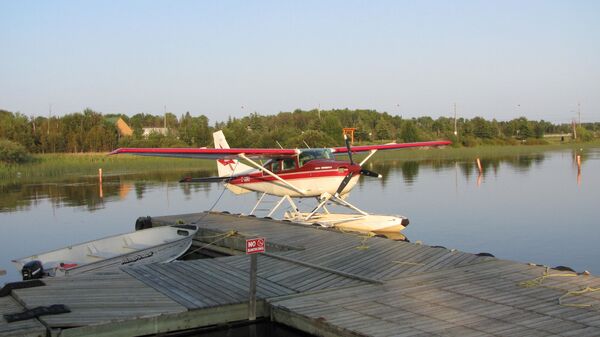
(5, 291)
(54, 309)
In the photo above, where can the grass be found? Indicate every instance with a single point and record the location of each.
(60, 166)
(483, 151)
(53, 166)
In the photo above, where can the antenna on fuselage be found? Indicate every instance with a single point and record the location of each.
(281, 147)
(307, 146)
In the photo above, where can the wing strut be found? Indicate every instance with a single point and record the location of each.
(371, 153)
(261, 168)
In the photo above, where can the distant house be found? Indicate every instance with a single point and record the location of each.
(148, 131)
(122, 127)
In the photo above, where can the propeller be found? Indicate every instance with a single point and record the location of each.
(347, 141)
(362, 171)
(368, 173)
(345, 182)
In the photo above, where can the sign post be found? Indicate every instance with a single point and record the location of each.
(253, 246)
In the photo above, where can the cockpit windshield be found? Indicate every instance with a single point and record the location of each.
(307, 155)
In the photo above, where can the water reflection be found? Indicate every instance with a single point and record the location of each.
(87, 191)
(410, 169)
(578, 157)
(23, 196)
(525, 208)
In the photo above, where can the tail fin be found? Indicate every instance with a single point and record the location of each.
(226, 167)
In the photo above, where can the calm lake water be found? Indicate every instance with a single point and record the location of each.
(534, 208)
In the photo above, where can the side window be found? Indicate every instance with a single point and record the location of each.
(289, 164)
(268, 166)
(276, 166)
(305, 157)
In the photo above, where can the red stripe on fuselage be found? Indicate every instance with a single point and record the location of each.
(259, 177)
(312, 169)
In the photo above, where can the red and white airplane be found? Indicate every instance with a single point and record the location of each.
(287, 173)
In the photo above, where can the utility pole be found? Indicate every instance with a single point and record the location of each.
(49, 115)
(455, 131)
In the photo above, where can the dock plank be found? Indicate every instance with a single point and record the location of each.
(94, 300)
(29, 328)
(319, 280)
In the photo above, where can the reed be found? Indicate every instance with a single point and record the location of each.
(54, 166)
(484, 151)
(85, 164)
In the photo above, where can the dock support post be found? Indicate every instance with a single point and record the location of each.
(252, 290)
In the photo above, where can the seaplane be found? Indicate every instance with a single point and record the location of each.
(296, 173)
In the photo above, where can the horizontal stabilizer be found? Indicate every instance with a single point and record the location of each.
(204, 179)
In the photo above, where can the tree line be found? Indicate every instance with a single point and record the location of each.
(92, 131)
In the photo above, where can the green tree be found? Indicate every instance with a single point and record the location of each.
(481, 128)
(332, 127)
(13, 152)
(409, 132)
(16, 127)
(384, 129)
(313, 138)
(523, 130)
(538, 130)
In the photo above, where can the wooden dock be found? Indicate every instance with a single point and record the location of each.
(321, 281)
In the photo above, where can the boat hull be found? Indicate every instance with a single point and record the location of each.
(159, 254)
(159, 244)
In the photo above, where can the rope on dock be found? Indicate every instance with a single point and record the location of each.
(409, 263)
(364, 237)
(363, 242)
(215, 236)
(220, 195)
(571, 293)
(537, 282)
(218, 237)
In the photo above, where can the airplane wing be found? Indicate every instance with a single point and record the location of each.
(392, 146)
(255, 153)
(205, 153)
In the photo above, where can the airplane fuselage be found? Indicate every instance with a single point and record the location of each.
(314, 178)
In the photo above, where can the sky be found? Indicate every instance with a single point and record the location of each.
(495, 59)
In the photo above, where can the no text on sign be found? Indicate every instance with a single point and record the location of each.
(256, 245)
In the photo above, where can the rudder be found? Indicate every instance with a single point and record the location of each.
(226, 167)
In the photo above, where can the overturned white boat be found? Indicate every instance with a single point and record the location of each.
(158, 244)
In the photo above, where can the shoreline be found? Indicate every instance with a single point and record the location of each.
(64, 165)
